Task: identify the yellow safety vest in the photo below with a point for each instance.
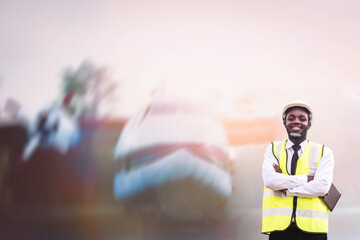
(311, 214)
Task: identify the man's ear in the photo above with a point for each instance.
(284, 119)
(309, 125)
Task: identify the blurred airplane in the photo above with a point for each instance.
(181, 151)
(178, 149)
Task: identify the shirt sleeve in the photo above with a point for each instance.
(278, 181)
(322, 179)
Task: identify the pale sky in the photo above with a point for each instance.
(215, 50)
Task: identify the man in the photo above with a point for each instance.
(296, 174)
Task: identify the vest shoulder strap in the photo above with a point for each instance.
(315, 154)
(276, 149)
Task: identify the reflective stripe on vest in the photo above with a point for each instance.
(311, 213)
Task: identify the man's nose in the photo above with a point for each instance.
(297, 121)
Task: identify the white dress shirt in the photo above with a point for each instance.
(297, 185)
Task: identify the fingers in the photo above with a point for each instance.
(277, 168)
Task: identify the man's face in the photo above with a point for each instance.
(297, 123)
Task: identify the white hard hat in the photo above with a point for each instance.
(297, 103)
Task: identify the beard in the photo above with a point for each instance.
(301, 135)
(295, 135)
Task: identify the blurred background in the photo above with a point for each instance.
(73, 73)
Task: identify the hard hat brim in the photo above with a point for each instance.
(297, 104)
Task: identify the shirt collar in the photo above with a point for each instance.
(289, 144)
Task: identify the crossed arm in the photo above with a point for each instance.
(299, 185)
(278, 170)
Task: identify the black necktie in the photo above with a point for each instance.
(294, 159)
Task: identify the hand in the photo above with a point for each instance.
(310, 178)
(277, 168)
(325, 196)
